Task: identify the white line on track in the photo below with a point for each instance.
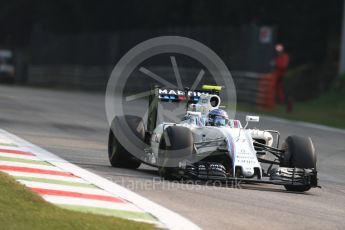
(305, 124)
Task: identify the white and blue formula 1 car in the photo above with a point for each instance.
(205, 144)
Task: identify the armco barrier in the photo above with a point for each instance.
(252, 88)
(69, 76)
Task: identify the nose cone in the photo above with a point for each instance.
(248, 172)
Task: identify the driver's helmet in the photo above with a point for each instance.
(218, 117)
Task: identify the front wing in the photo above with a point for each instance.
(279, 176)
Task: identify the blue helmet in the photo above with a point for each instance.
(218, 117)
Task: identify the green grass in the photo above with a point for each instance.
(22, 209)
(329, 109)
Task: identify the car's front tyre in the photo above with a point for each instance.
(299, 152)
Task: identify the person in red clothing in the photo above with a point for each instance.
(281, 62)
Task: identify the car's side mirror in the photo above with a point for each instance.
(252, 118)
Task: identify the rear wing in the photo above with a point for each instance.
(163, 96)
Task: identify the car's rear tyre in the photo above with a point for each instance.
(177, 148)
(299, 152)
(118, 155)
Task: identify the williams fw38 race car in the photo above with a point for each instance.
(206, 145)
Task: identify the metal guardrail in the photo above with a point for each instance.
(253, 88)
(81, 77)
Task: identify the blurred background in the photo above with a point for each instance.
(74, 44)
